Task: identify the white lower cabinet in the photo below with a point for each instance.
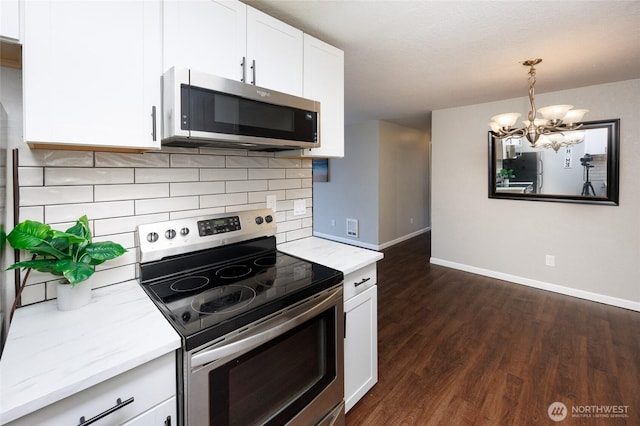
(152, 386)
(361, 341)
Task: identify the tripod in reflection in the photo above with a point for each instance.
(587, 188)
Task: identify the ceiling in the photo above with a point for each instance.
(404, 59)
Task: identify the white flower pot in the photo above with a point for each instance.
(70, 298)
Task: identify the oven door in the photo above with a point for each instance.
(285, 370)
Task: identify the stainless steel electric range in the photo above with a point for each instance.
(262, 331)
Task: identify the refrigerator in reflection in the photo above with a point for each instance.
(526, 168)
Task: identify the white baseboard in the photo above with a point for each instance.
(595, 297)
(369, 246)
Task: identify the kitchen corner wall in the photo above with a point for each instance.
(119, 191)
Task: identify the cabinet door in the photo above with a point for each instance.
(10, 19)
(275, 50)
(360, 345)
(92, 73)
(161, 414)
(206, 35)
(324, 82)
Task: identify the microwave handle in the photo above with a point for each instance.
(254, 340)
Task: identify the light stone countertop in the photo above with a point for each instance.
(343, 257)
(50, 355)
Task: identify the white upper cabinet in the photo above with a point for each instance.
(232, 40)
(10, 20)
(206, 35)
(324, 82)
(274, 53)
(92, 74)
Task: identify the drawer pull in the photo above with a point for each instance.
(364, 280)
(119, 405)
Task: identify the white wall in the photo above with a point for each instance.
(383, 181)
(352, 189)
(596, 247)
(403, 182)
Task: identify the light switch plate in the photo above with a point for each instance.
(299, 207)
(271, 202)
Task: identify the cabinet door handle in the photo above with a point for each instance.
(119, 405)
(153, 122)
(243, 64)
(253, 68)
(167, 422)
(364, 280)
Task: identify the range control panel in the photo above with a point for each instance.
(174, 237)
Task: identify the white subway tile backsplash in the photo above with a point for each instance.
(267, 173)
(285, 163)
(32, 213)
(223, 174)
(156, 205)
(53, 158)
(196, 188)
(31, 176)
(248, 162)
(196, 160)
(33, 294)
(299, 173)
(222, 200)
(261, 196)
(125, 224)
(117, 159)
(299, 234)
(39, 195)
(196, 213)
(299, 193)
(131, 191)
(86, 176)
(284, 184)
(246, 186)
(71, 212)
(163, 174)
(120, 191)
(289, 225)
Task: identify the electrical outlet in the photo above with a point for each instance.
(333, 222)
(299, 207)
(550, 260)
(411, 221)
(271, 202)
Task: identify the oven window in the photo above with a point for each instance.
(275, 381)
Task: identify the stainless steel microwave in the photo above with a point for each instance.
(200, 109)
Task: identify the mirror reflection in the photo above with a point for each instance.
(574, 166)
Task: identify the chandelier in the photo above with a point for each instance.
(546, 132)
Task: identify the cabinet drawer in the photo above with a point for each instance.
(149, 384)
(358, 281)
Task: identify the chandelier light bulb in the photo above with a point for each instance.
(557, 119)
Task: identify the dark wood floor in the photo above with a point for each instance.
(457, 348)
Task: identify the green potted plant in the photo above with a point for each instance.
(71, 255)
(506, 174)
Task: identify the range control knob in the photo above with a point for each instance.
(268, 218)
(259, 220)
(170, 234)
(152, 237)
(184, 232)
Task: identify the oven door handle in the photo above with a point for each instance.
(284, 324)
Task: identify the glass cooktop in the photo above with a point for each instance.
(209, 302)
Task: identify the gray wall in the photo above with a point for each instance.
(383, 181)
(596, 247)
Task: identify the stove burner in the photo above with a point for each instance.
(189, 283)
(265, 261)
(233, 271)
(227, 298)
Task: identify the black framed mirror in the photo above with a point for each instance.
(584, 169)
